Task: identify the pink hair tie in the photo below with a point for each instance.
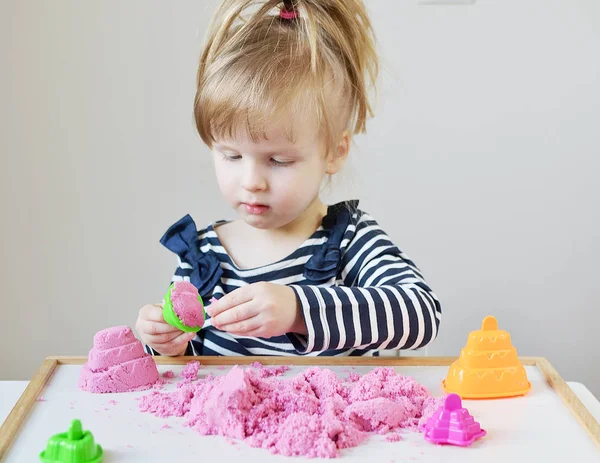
(288, 11)
(285, 14)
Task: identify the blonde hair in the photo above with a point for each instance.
(257, 67)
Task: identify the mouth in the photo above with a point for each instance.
(255, 208)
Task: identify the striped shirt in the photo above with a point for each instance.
(358, 292)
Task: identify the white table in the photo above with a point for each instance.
(10, 391)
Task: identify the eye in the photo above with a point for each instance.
(231, 157)
(281, 163)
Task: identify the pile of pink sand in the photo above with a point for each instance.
(117, 363)
(314, 414)
(184, 297)
(190, 371)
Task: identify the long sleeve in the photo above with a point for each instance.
(189, 350)
(380, 300)
(195, 265)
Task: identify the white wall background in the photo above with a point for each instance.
(482, 164)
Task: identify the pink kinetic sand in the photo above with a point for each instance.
(117, 363)
(184, 297)
(314, 414)
(393, 437)
(190, 371)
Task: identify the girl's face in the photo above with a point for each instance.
(270, 183)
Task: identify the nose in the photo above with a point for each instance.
(253, 178)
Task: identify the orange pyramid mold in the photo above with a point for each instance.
(488, 366)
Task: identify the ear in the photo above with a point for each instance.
(339, 155)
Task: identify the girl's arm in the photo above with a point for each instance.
(382, 302)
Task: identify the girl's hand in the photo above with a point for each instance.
(158, 334)
(258, 310)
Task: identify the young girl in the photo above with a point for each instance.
(282, 87)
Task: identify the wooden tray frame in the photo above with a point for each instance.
(24, 405)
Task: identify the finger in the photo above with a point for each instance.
(244, 327)
(173, 342)
(166, 338)
(153, 312)
(153, 328)
(232, 299)
(162, 338)
(235, 314)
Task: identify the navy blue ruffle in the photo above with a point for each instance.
(325, 263)
(206, 272)
(182, 239)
